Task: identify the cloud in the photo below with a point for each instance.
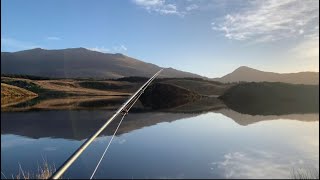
(121, 141)
(307, 49)
(100, 49)
(149, 2)
(271, 20)
(159, 6)
(120, 48)
(14, 44)
(123, 47)
(256, 164)
(192, 7)
(53, 38)
(113, 49)
(13, 141)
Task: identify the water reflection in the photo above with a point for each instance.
(200, 139)
(79, 125)
(70, 102)
(202, 105)
(208, 145)
(76, 125)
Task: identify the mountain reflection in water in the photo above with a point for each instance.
(216, 139)
(79, 125)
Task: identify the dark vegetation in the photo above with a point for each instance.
(269, 98)
(133, 79)
(199, 86)
(34, 88)
(162, 96)
(144, 79)
(193, 79)
(28, 77)
(102, 85)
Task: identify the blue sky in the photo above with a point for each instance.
(207, 37)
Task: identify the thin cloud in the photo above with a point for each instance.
(266, 21)
(158, 6)
(103, 49)
(123, 47)
(54, 38)
(192, 7)
(120, 48)
(256, 164)
(100, 49)
(121, 141)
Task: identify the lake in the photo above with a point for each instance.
(215, 144)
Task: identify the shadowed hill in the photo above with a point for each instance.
(80, 63)
(247, 74)
(269, 98)
(162, 96)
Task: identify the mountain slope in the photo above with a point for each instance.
(247, 74)
(80, 63)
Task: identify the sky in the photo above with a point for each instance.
(206, 37)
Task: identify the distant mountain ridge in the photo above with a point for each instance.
(80, 63)
(84, 63)
(248, 74)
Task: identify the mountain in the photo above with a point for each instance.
(248, 74)
(80, 63)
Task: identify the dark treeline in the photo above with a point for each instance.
(272, 98)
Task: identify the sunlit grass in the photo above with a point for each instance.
(44, 172)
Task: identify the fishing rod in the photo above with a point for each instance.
(123, 108)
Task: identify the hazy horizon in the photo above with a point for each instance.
(209, 38)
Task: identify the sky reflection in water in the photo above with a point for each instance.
(209, 145)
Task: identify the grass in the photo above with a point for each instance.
(310, 173)
(44, 172)
(25, 85)
(35, 88)
(9, 90)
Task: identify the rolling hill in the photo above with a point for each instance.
(247, 74)
(8, 90)
(80, 63)
(11, 95)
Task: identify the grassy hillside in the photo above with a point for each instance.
(12, 95)
(169, 92)
(9, 90)
(272, 98)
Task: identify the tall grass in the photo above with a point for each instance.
(309, 173)
(44, 172)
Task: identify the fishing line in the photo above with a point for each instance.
(104, 153)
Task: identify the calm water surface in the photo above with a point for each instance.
(162, 145)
